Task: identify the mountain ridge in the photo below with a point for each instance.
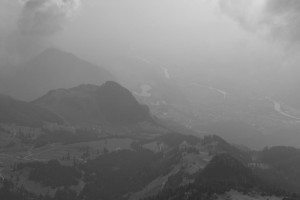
(94, 105)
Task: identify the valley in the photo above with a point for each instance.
(262, 120)
(156, 136)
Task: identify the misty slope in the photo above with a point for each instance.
(152, 84)
(25, 114)
(53, 69)
(95, 105)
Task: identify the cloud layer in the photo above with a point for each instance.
(277, 18)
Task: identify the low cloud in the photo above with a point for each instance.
(277, 18)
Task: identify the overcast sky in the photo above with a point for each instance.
(184, 32)
(248, 34)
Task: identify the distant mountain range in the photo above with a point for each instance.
(53, 69)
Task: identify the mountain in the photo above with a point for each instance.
(95, 105)
(53, 69)
(25, 114)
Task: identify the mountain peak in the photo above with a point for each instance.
(112, 84)
(226, 168)
(54, 69)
